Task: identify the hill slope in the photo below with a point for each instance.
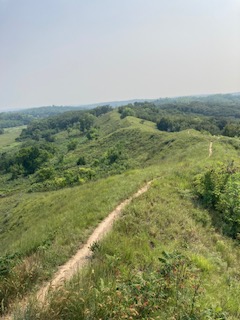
(166, 257)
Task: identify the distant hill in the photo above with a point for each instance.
(217, 105)
(72, 107)
(14, 118)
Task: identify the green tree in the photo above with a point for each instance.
(86, 122)
(45, 174)
(113, 154)
(31, 158)
(127, 111)
(231, 130)
(165, 124)
(72, 145)
(92, 134)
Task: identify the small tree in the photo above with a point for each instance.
(165, 124)
(127, 112)
(31, 158)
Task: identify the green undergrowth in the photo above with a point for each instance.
(162, 260)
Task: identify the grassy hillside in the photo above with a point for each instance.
(7, 140)
(166, 257)
(163, 260)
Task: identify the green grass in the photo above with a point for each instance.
(7, 140)
(27, 219)
(112, 131)
(41, 231)
(196, 278)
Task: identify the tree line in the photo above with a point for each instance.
(46, 128)
(218, 114)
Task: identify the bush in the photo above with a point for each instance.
(81, 161)
(113, 154)
(86, 173)
(92, 134)
(45, 174)
(219, 189)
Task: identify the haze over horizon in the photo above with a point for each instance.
(72, 52)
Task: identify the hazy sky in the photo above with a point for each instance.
(71, 52)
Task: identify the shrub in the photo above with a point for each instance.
(219, 189)
(81, 161)
(86, 173)
(45, 174)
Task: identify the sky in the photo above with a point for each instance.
(73, 52)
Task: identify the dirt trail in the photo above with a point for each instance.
(66, 271)
(210, 149)
(82, 256)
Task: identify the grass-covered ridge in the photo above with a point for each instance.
(163, 260)
(41, 231)
(167, 245)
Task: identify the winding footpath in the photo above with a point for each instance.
(81, 258)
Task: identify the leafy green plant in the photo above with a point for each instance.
(219, 189)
